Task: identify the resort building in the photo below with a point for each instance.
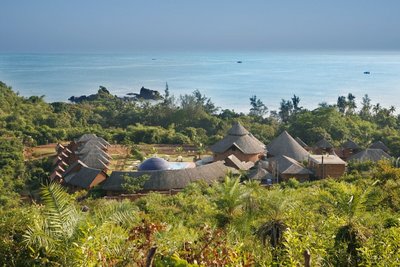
(369, 154)
(79, 175)
(285, 145)
(283, 168)
(324, 166)
(349, 148)
(82, 163)
(167, 179)
(380, 145)
(323, 147)
(238, 142)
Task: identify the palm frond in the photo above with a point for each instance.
(60, 212)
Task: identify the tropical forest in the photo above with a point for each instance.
(351, 220)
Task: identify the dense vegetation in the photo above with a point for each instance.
(353, 221)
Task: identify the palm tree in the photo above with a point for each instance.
(276, 209)
(230, 198)
(53, 230)
(348, 201)
(62, 235)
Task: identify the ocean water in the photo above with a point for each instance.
(313, 76)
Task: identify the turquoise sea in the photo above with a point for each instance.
(314, 76)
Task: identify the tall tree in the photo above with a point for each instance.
(342, 104)
(365, 111)
(258, 108)
(351, 103)
(296, 101)
(285, 110)
(168, 100)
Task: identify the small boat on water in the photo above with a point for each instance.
(239, 61)
(367, 72)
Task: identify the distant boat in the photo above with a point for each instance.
(367, 72)
(239, 61)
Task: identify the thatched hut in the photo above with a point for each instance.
(284, 168)
(349, 148)
(380, 145)
(323, 146)
(326, 166)
(369, 154)
(85, 178)
(285, 145)
(164, 180)
(238, 142)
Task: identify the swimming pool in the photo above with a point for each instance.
(181, 165)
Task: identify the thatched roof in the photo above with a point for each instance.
(370, 154)
(92, 137)
(92, 144)
(95, 160)
(236, 163)
(259, 174)
(86, 150)
(169, 179)
(86, 137)
(323, 144)
(350, 144)
(238, 129)
(72, 167)
(287, 165)
(240, 138)
(284, 144)
(83, 178)
(328, 159)
(380, 145)
(301, 142)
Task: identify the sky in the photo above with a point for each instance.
(136, 25)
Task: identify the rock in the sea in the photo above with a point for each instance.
(148, 94)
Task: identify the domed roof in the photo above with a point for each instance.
(154, 164)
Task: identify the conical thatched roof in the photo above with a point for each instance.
(301, 142)
(323, 144)
(284, 144)
(170, 179)
(238, 129)
(370, 154)
(239, 137)
(380, 145)
(350, 144)
(287, 165)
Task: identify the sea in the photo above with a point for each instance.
(228, 78)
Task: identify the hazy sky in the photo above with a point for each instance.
(133, 25)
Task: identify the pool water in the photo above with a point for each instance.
(181, 165)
